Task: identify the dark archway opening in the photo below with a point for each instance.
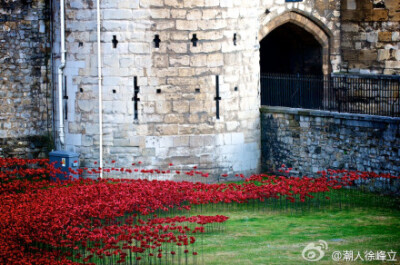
(290, 49)
(291, 68)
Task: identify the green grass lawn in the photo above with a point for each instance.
(274, 235)
(277, 231)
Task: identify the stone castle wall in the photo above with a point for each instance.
(176, 117)
(25, 102)
(371, 36)
(177, 121)
(311, 141)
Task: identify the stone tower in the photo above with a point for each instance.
(180, 79)
(175, 50)
(195, 68)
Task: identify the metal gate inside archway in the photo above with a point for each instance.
(295, 72)
(291, 68)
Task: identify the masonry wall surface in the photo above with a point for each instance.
(177, 124)
(310, 141)
(25, 101)
(371, 36)
(177, 121)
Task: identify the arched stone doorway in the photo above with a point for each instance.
(292, 44)
(290, 49)
(310, 32)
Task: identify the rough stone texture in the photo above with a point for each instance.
(177, 112)
(25, 102)
(370, 37)
(310, 141)
(178, 124)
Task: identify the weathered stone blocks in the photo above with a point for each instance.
(25, 92)
(328, 141)
(177, 80)
(367, 30)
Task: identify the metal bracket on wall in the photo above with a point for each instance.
(65, 97)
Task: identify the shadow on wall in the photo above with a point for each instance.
(12, 5)
(272, 149)
(37, 146)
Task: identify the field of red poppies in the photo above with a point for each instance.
(135, 220)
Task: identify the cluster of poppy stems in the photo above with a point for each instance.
(128, 221)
